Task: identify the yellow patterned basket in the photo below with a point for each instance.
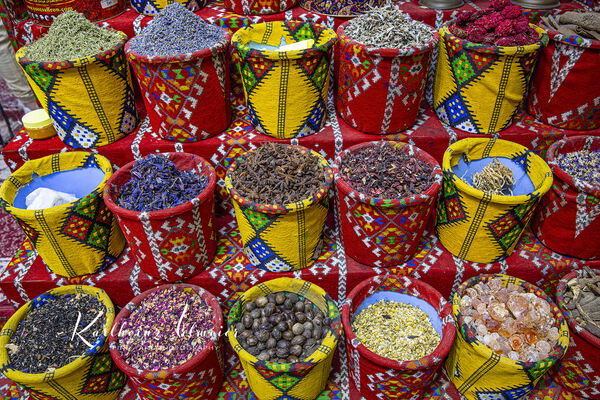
(477, 226)
(85, 228)
(286, 91)
(305, 379)
(284, 237)
(478, 87)
(478, 372)
(92, 376)
(90, 100)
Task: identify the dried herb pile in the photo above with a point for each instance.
(164, 331)
(396, 331)
(56, 333)
(281, 327)
(582, 299)
(388, 27)
(278, 174)
(501, 24)
(72, 36)
(157, 184)
(386, 172)
(176, 30)
(581, 165)
(495, 178)
(579, 22)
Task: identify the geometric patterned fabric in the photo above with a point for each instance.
(481, 374)
(478, 226)
(187, 96)
(563, 91)
(284, 237)
(90, 100)
(380, 90)
(385, 232)
(567, 218)
(44, 11)
(92, 376)
(251, 7)
(380, 378)
(340, 7)
(290, 381)
(84, 227)
(153, 7)
(478, 87)
(286, 92)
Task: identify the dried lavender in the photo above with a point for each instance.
(581, 165)
(385, 172)
(56, 333)
(388, 27)
(165, 330)
(278, 174)
(72, 36)
(176, 30)
(157, 184)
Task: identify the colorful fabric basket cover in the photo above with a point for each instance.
(90, 100)
(85, 227)
(385, 232)
(186, 96)
(479, 373)
(253, 7)
(380, 378)
(563, 91)
(380, 90)
(286, 91)
(478, 87)
(482, 227)
(567, 219)
(153, 7)
(92, 376)
(199, 378)
(302, 380)
(43, 12)
(579, 371)
(280, 238)
(175, 243)
(342, 8)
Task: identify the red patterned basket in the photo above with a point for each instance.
(186, 95)
(380, 378)
(579, 371)
(175, 243)
(253, 7)
(567, 217)
(385, 232)
(564, 93)
(43, 12)
(380, 90)
(199, 378)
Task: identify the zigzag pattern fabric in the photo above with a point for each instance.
(340, 7)
(90, 100)
(479, 87)
(478, 226)
(85, 227)
(255, 7)
(153, 7)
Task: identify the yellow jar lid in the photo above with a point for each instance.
(36, 119)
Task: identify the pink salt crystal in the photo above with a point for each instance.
(495, 284)
(498, 311)
(472, 292)
(502, 295)
(517, 305)
(481, 329)
(492, 325)
(481, 308)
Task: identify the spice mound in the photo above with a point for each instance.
(72, 36)
(386, 172)
(157, 184)
(582, 299)
(580, 22)
(582, 165)
(395, 330)
(281, 327)
(388, 27)
(495, 178)
(176, 30)
(165, 330)
(278, 174)
(510, 322)
(56, 333)
(501, 24)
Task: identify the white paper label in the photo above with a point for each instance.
(108, 3)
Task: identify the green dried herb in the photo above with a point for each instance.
(72, 36)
